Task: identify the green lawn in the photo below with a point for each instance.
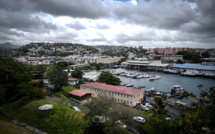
(7, 128)
(29, 113)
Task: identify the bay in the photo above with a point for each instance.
(167, 80)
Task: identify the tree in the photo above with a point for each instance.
(77, 73)
(12, 74)
(201, 117)
(205, 55)
(159, 106)
(108, 78)
(57, 77)
(63, 119)
(62, 64)
(112, 112)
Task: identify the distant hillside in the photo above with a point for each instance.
(8, 45)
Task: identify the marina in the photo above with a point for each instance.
(163, 84)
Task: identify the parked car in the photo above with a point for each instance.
(139, 119)
(144, 107)
(120, 124)
(76, 108)
(99, 119)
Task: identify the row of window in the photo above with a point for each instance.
(111, 93)
(115, 99)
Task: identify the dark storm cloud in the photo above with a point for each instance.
(24, 22)
(160, 14)
(205, 20)
(74, 8)
(76, 25)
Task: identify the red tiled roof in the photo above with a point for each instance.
(79, 92)
(111, 88)
(72, 79)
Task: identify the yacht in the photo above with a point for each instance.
(154, 77)
(191, 73)
(170, 71)
(177, 89)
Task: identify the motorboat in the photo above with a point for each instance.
(191, 73)
(170, 71)
(177, 89)
(150, 91)
(143, 76)
(154, 77)
(122, 83)
(129, 85)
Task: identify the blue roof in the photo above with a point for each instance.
(199, 67)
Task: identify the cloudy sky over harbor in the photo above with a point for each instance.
(147, 23)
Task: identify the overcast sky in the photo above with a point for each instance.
(147, 23)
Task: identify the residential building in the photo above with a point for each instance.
(80, 96)
(73, 81)
(128, 96)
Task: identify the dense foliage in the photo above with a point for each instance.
(57, 77)
(112, 112)
(77, 73)
(64, 120)
(191, 56)
(108, 78)
(12, 74)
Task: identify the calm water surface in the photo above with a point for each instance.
(167, 80)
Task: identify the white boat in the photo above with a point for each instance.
(170, 71)
(122, 83)
(177, 89)
(154, 77)
(191, 73)
(129, 85)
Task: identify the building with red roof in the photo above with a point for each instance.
(80, 96)
(73, 81)
(129, 96)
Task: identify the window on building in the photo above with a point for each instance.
(121, 95)
(118, 100)
(127, 96)
(121, 100)
(127, 102)
(130, 103)
(124, 95)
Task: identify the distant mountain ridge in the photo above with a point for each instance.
(8, 45)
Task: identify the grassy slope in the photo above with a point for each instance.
(29, 113)
(7, 128)
(68, 89)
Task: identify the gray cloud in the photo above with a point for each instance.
(76, 25)
(101, 26)
(75, 8)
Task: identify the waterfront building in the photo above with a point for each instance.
(108, 60)
(148, 65)
(200, 68)
(128, 96)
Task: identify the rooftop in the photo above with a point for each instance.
(79, 92)
(198, 67)
(72, 79)
(111, 88)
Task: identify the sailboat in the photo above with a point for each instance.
(130, 84)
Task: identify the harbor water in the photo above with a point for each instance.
(167, 80)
